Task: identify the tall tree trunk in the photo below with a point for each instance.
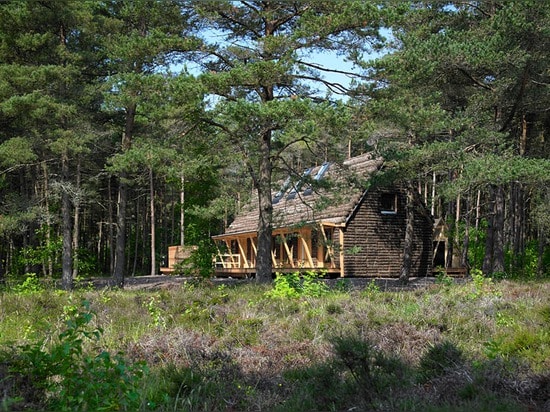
(182, 211)
(153, 228)
(406, 263)
(110, 229)
(120, 244)
(498, 238)
(120, 240)
(137, 224)
(48, 265)
(76, 220)
(487, 266)
(466, 240)
(517, 211)
(66, 254)
(264, 265)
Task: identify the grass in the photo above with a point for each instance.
(209, 347)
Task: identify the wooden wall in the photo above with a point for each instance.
(373, 241)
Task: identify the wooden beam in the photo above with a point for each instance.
(330, 249)
(231, 255)
(288, 251)
(306, 250)
(242, 252)
(273, 260)
(254, 253)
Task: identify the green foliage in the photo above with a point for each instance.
(199, 263)
(439, 359)
(30, 285)
(227, 345)
(156, 312)
(442, 278)
(46, 251)
(371, 289)
(374, 372)
(482, 286)
(295, 284)
(67, 378)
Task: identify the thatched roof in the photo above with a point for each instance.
(331, 198)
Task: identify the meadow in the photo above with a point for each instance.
(296, 345)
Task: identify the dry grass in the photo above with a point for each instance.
(219, 347)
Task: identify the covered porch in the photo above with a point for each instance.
(307, 248)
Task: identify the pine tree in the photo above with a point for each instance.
(263, 77)
(466, 84)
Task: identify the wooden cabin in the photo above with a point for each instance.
(339, 228)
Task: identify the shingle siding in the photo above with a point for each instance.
(373, 241)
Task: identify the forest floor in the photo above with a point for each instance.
(159, 282)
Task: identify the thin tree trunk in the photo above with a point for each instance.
(120, 245)
(120, 240)
(408, 241)
(478, 208)
(76, 220)
(457, 259)
(489, 238)
(137, 224)
(433, 193)
(110, 229)
(466, 240)
(498, 239)
(153, 228)
(48, 265)
(182, 211)
(263, 185)
(66, 254)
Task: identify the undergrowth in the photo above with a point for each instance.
(297, 345)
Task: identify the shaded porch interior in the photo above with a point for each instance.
(315, 247)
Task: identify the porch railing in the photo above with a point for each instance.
(228, 261)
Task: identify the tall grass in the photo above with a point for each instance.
(208, 346)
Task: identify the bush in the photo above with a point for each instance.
(30, 285)
(374, 372)
(293, 285)
(65, 378)
(438, 359)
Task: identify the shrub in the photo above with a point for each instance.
(292, 285)
(30, 285)
(66, 378)
(374, 372)
(438, 359)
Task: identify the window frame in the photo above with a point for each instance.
(385, 200)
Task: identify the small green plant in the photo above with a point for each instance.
(342, 286)
(156, 313)
(292, 285)
(441, 277)
(482, 285)
(30, 285)
(371, 289)
(65, 377)
(312, 284)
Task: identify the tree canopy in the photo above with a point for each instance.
(131, 126)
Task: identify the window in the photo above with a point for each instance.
(388, 203)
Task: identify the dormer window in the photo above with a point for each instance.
(388, 203)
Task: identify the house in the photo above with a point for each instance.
(343, 228)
